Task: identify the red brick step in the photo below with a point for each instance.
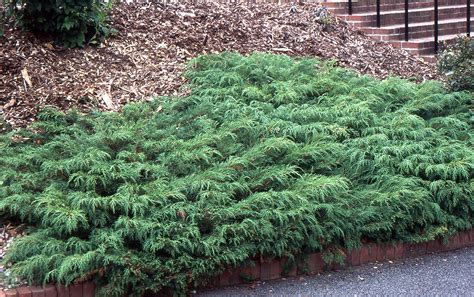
(417, 30)
(394, 17)
(451, 15)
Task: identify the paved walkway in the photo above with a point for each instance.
(444, 274)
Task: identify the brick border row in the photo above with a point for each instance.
(86, 289)
(314, 263)
(279, 267)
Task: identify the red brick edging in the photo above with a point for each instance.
(276, 268)
(86, 289)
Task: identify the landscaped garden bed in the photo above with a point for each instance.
(146, 58)
(267, 156)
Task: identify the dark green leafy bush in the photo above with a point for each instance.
(267, 156)
(457, 62)
(4, 125)
(72, 22)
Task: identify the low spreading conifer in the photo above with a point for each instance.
(268, 156)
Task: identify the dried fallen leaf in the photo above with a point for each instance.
(10, 103)
(107, 100)
(49, 46)
(181, 213)
(26, 77)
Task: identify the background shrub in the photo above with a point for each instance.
(71, 22)
(4, 125)
(457, 62)
(268, 156)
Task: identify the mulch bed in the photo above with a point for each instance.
(147, 56)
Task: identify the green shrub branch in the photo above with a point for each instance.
(268, 156)
(72, 23)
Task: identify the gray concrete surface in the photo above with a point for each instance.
(443, 274)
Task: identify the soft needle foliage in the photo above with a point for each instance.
(267, 156)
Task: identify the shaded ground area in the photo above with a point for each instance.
(444, 274)
(146, 58)
(9, 231)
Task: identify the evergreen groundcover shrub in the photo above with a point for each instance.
(268, 156)
(71, 22)
(456, 61)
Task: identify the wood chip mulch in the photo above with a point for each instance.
(147, 56)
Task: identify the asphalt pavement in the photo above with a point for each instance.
(442, 274)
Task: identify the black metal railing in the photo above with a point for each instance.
(378, 13)
(468, 17)
(407, 32)
(407, 20)
(436, 27)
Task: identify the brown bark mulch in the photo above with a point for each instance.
(147, 56)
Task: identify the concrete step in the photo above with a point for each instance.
(424, 46)
(452, 22)
(361, 3)
(394, 17)
(418, 30)
(359, 7)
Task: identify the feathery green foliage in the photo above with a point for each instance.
(267, 156)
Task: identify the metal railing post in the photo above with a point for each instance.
(406, 21)
(468, 18)
(436, 26)
(350, 7)
(378, 13)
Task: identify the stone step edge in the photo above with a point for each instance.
(278, 267)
